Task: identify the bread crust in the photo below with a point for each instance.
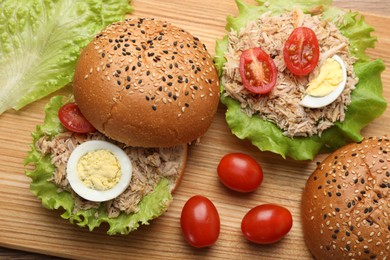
(345, 204)
(147, 83)
(183, 165)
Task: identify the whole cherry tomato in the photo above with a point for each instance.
(266, 224)
(72, 119)
(258, 71)
(200, 222)
(301, 51)
(240, 172)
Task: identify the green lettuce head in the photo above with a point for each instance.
(151, 206)
(367, 101)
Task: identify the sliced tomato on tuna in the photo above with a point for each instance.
(301, 51)
(258, 71)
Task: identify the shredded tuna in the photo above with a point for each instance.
(149, 166)
(281, 106)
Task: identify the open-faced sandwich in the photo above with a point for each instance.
(295, 77)
(143, 89)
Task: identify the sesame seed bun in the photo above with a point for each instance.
(346, 203)
(145, 82)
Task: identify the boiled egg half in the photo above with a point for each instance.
(328, 85)
(98, 170)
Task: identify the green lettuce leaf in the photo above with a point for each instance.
(40, 42)
(150, 207)
(251, 12)
(367, 101)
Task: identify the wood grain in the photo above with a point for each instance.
(25, 225)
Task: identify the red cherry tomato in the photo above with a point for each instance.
(200, 222)
(72, 119)
(240, 172)
(266, 224)
(258, 71)
(301, 51)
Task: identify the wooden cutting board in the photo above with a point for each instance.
(25, 225)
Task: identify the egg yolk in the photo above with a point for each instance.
(330, 76)
(99, 170)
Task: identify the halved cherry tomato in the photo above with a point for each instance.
(266, 224)
(71, 118)
(200, 222)
(258, 71)
(301, 51)
(240, 172)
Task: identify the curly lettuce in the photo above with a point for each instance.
(150, 207)
(41, 40)
(367, 101)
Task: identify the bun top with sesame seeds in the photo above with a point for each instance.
(145, 82)
(346, 203)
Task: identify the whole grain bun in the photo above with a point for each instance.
(346, 203)
(145, 82)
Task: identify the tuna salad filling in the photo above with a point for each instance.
(150, 165)
(282, 105)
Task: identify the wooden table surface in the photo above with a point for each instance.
(205, 19)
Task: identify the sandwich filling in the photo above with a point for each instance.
(282, 105)
(150, 165)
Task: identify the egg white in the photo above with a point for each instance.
(95, 195)
(318, 102)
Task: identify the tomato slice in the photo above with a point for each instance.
(301, 51)
(258, 71)
(72, 119)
